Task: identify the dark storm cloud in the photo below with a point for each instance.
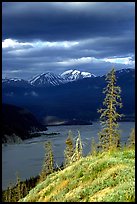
(59, 36)
(65, 21)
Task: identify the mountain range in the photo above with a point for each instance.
(70, 96)
(48, 79)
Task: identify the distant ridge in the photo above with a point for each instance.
(48, 79)
(51, 79)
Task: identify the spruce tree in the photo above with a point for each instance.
(93, 147)
(78, 149)
(9, 193)
(47, 167)
(109, 137)
(18, 188)
(131, 139)
(69, 151)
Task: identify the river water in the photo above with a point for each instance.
(26, 159)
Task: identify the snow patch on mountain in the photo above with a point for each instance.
(87, 74)
(73, 75)
(11, 79)
(124, 70)
(15, 82)
(47, 79)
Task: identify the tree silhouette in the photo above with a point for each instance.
(47, 167)
(109, 136)
(69, 151)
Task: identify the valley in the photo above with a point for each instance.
(76, 100)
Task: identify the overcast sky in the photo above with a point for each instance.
(57, 36)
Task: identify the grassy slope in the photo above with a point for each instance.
(105, 177)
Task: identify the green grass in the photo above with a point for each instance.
(107, 177)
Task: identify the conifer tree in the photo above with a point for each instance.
(131, 139)
(93, 147)
(109, 137)
(48, 162)
(18, 188)
(69, 151)
(9, 192)
(78, 149)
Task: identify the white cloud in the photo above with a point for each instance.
(7, 43)
(120, 60)
(13, 43)
(63, 44)
(82, 60)
(86, 60)
(12, 71)
(16, 48)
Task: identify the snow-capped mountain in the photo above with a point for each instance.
(15, 82)
(79, 99)
(121, 72)
(72, 75)
(47, 79)
(50, 79)
(125, 73)
(124, 70)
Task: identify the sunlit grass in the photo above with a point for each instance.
(107, 177)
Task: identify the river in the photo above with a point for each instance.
(26, 158)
